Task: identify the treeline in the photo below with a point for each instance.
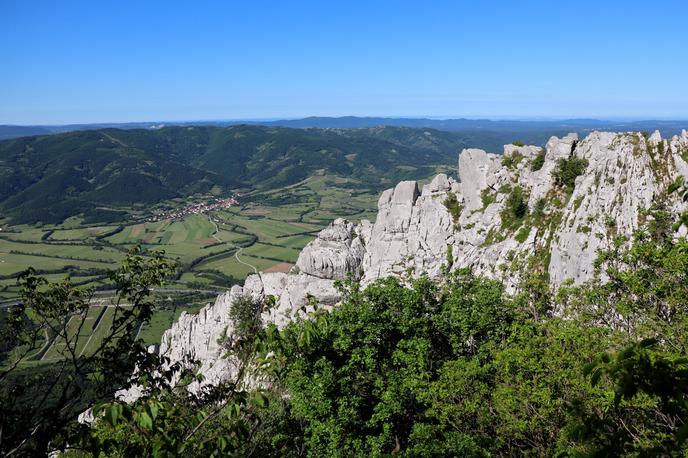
(73, 271)
(71, 258)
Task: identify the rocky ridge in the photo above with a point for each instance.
(466, 222)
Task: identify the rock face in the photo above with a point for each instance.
(415, 233)
(336, 253)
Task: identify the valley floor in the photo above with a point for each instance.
(213, 250)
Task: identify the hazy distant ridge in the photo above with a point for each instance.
(535, 131)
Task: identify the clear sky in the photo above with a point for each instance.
(115, 61)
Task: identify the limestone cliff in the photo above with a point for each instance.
(502, 210)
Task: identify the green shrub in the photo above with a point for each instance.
(516, 203)
(539, 210)
(454, 207)
(538, 161)
(245, 315)
(512, 160)
(487, 197)
(568, 170)
(523, 234)
(518, 143)
(515, 209)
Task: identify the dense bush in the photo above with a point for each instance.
(515, 208)
(462, 369)
(454, 207)
(568, 170)
(538, 160)
(245, 315)
(450, 368)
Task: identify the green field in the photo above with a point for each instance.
(270, 227)
(212, 250)
(91, 330)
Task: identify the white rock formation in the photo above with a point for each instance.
(414, 230)
(336, 253)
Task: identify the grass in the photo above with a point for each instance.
(95, 326)
(78, 252)
(230, 266)
(488, 197)
(11, 263)
(272, 227)
(92, 328)
(80, 233)
(281, 253)
(270, 231)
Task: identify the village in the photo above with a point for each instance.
(193, 208)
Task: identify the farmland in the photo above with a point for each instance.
(212, 250)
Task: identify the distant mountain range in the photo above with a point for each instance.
(532, 131)
(101, 173)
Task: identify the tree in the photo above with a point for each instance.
(358, 376)
(643, 296)
(568, 170)
(454, 367)
(40, 405)
(178, 415)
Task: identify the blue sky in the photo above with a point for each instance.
(116, 61)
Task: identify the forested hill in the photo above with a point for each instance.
(99, 173)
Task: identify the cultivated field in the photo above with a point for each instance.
(213, 251)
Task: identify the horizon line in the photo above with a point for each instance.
(411, 117)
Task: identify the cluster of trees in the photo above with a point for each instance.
(451, 368)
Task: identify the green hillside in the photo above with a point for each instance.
(103, 174)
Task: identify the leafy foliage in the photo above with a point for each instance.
(461, 369)
(487, 197)
(515, 208)
(451, 368)
(539, 160)
(512, 160)
(568, 170)
(455, 208)
(40, 407)
(245, 315)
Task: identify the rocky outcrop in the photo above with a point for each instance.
(473, 222)
(335, 254)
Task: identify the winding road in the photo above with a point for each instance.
(239, 248)
(236, 255)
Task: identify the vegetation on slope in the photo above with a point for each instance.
(458, 368)
(568, 170)
(98, 173)
(538, 160)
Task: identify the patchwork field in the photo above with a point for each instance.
(212, 250)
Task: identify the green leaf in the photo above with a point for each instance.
(260, 399)
(144, 420)
(113, 413)
(154, 407)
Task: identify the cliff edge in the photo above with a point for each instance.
(554, 207)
